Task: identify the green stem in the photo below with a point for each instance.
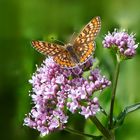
(102, 129)
(82, 134)
(115, 80)
(103, 111)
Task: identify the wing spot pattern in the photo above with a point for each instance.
(86, 54)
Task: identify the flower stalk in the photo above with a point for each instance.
(81, 133)
(103, 111)
(101, 128)
(115, 81)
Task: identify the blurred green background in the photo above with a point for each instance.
(24, 20)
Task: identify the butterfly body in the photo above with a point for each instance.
(77, 53)
(72, 53)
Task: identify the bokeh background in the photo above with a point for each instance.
(24, 20)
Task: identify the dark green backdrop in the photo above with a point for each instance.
(24, 20)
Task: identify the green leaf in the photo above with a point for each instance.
(120, 119)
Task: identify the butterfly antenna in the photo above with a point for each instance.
(58, 41)
(72, 37)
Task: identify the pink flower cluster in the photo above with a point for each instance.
(57, 91)
(125, 43)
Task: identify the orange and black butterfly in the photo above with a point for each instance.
(71, 55)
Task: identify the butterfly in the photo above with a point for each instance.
(76, 53)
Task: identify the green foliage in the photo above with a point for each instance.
(23, 21)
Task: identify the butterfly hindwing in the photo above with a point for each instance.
(64, 59)
(88, 51)
(47, 48)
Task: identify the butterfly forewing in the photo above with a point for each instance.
(47, 48)
(84, 44)
(89, 32)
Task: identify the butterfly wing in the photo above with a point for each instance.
(86, 52)
(46, 48)
(64, 59)
(83, 44)
(60, 55)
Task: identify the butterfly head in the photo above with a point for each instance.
(69, 46)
